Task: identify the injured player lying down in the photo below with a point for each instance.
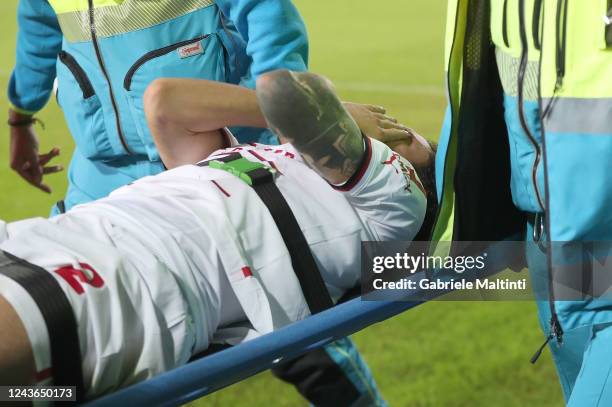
(163, 267)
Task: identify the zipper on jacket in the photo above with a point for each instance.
(535, 27)
(78, 73)
(538, 352)
(555, 327)
(521, 110)
(560, 46)
(608, 24)
(505, 25)
(556, 331)
(561, 41)
(127, 81)
(94, 40)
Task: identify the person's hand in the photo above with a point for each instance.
(24, 156)
(374, 122)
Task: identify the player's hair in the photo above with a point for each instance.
(427, 175)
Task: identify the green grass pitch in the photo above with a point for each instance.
(387, 52)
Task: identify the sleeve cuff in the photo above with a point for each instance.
(363, 167)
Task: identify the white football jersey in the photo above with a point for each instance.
(162, 267)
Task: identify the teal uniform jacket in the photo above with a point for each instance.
(106, 52)
(526, 149)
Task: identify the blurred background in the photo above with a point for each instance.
(387, 52)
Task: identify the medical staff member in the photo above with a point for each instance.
(104, 53)
(526, 150)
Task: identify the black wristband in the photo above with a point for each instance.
(25, 122)
(21, 123)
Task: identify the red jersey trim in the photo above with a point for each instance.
(227, 194)
(256, 155)
(363, 167)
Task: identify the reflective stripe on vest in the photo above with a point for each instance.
(115, 17)
(67, 6)
(586, 56)
(572, 35)
(579, 116)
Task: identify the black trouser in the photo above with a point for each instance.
(318, 378)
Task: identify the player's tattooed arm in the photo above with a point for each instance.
(303, 109)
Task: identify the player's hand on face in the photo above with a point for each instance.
(374, 122)
(26, 160)
(415, 149)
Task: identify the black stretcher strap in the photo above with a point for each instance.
(58, 315)
(308, 274)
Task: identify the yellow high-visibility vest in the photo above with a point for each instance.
(569, 43)
(118, 16)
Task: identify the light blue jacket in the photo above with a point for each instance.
(103, 71)
(528, 136)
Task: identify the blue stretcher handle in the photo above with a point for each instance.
(211, 373)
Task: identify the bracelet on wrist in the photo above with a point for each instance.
(25, 122)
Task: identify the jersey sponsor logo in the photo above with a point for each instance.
(408, 172)
(190, 50)
(76, 277)
(391, 160)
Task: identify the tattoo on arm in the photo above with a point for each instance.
(304, 109)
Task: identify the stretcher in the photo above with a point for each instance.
(229, 366)
(211, 373)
